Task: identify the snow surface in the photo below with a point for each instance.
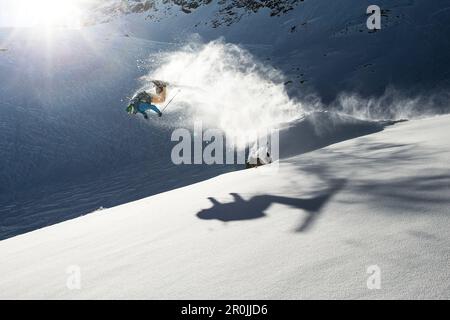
(67, 145)
(309, 230)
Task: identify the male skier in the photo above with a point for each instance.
(144, 101)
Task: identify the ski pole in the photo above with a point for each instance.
(170, 100)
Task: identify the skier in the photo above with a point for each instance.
(143, 101)
(258, 157)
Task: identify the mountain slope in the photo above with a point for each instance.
(308, 231)
(68, 147)
(325, 48)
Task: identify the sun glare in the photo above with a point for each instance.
(48, 13)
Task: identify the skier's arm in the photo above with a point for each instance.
(161, 97)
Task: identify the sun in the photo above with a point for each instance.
(48, 13)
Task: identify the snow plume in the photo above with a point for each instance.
(394, 105)
(226, 88)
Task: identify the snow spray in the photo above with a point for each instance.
(226, 88)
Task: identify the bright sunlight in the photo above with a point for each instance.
(47, 13)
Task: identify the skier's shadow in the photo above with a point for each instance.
(254, 208)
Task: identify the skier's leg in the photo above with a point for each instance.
(155, 109)
(144, 107)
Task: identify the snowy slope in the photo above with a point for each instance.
(68, 148)
(67, 145)
(310, 230)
